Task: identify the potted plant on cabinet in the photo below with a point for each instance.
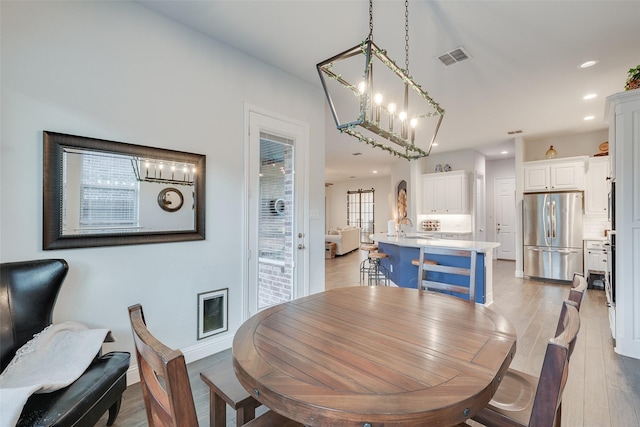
(633, 80)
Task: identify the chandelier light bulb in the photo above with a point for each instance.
(391, 108)
(362, 87)
(403, 124)
(377, 100)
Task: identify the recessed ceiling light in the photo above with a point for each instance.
(589, 96)
(504, 152)
(590, 117)
(375, 171)
(435, 144)
(589, 64)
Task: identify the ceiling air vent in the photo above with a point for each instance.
(454, 56)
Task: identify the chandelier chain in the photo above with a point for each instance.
(370, 19)
(406, 36)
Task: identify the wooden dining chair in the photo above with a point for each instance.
(431, 283)
(526, 400)
(576, 294)
(165, 382)
(578, 288)
(163, 376)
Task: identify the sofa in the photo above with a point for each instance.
(28, 291)
(347, 238)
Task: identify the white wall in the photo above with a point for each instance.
(118, 71)
(579, 144)
(336, 215)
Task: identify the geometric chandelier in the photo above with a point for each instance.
(385, 107)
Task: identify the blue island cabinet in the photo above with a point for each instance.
(405, 274)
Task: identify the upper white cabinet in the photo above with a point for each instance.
(597, 186)
(554, 175)
(445, 192)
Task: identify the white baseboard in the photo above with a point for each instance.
(191, 354)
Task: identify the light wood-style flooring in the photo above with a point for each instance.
(603, 388)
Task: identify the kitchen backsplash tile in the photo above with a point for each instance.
(594, 227)
(449, 223)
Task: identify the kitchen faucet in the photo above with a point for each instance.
(403, 233)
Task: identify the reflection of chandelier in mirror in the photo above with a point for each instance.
(164, 171)
(391, 109)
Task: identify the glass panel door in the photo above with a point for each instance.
(277, 258)
(360, 212)
(275, 232)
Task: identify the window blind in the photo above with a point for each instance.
(109, 192)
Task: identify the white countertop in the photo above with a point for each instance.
(416, 240)
(443, 232)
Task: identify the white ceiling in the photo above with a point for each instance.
(523, 73)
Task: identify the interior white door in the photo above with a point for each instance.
(277, 258)
(480, 210)
(505, 214)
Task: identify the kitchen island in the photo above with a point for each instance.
(401, 250)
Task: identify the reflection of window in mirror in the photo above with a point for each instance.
(100, 193)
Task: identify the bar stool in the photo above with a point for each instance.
(378, 273)
(366, 264)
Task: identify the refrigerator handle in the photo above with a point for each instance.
(545, 220)
(553, 219)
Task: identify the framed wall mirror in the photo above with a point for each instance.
(106, 193)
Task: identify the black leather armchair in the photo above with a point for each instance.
(28, 291)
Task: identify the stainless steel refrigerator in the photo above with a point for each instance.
(552, 225)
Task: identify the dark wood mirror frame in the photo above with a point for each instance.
(52, 236)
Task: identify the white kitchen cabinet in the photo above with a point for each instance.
(445, 192)
(595, 257)
(597, 186)
(622, 114)
(554, 175)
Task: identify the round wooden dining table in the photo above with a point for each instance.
(374, 356)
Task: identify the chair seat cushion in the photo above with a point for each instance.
(513, 399)
(84, 401)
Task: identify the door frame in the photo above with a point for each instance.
(301, 175)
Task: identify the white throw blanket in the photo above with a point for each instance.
(52, 360)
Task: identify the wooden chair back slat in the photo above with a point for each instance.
(554, 374)
(163, 377)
